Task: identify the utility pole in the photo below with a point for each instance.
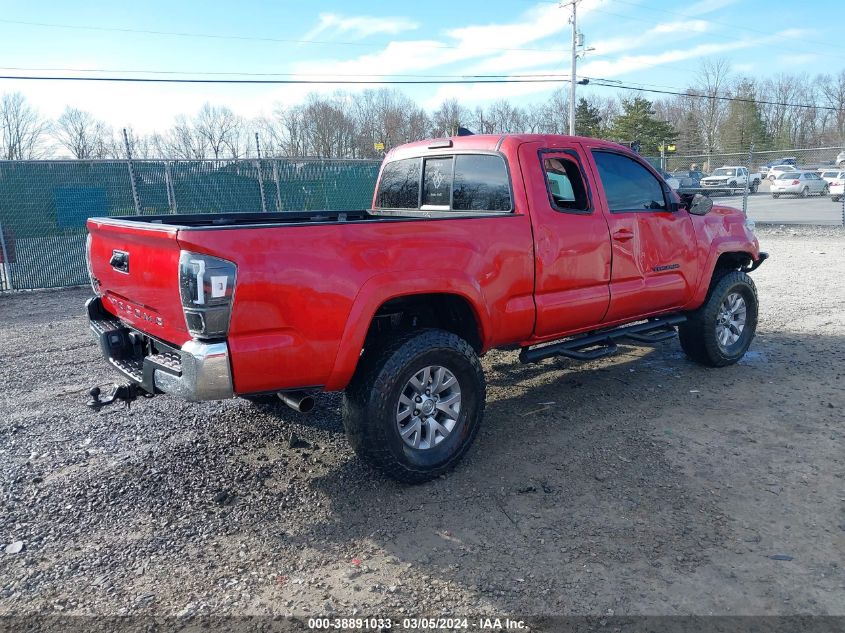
(572, 78)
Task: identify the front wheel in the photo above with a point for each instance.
(720, 331)
(415, 404)
(825, 191)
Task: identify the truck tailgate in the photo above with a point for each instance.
(137, 267)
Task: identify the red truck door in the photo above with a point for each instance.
(572, 246)
(654, 249)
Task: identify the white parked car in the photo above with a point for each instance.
(837, 189)
(840, 160)
(799, 183)
(830, 175)
(777, 170)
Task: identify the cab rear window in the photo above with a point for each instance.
(459, 183)
(399, 187)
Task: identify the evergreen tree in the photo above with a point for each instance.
(587, 119)
(744, 122)
(637, 123)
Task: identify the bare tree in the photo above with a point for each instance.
(219, 129)
(182, 141)
(449, 117)
(83, 135)
(22, 129)
(388, 117)
(712, 82)
(832, 91)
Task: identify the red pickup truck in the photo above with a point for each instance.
(562, 245)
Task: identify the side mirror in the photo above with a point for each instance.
(697, 204)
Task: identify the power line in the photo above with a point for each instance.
(251, 38)
(691, 93)
(182, 80)
(254, 74)
(485, 79)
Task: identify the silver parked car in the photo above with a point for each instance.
(799, 183)
(777, 170)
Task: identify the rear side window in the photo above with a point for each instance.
(460, 183)
(565, 185)
(628, 185)
(399, 187)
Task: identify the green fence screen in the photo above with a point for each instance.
(44, 204)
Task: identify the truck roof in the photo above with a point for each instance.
(490, 142)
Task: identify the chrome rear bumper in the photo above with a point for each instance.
(196, 371)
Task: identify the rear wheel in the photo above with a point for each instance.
(754, 186)
(805, 192)
(720, 331)
(775, 195)
(825, 191)
(415, 405)
(835, 198)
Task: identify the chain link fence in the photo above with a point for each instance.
(44, 204)
(817, 201)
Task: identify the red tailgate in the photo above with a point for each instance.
(137, 266)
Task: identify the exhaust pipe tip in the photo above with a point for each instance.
(297, 400)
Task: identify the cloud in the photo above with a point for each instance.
(360, 26)
(682, 26)
(400, 57)
(708, 6)
(631, 63)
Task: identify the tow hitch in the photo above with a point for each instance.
(125, 393)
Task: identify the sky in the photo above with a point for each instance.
(651, 43)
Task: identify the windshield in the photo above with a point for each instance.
(725, 172)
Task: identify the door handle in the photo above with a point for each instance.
(623, 235)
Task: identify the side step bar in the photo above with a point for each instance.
(601, 344)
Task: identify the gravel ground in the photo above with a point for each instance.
(639, 484)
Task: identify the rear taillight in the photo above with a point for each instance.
(207, 288)
(95, 284)
(796, 182)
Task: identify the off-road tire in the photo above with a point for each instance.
(371, 399)
(698, 333)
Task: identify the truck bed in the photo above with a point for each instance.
(286, 218)
(300, 274)
(244, 219)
